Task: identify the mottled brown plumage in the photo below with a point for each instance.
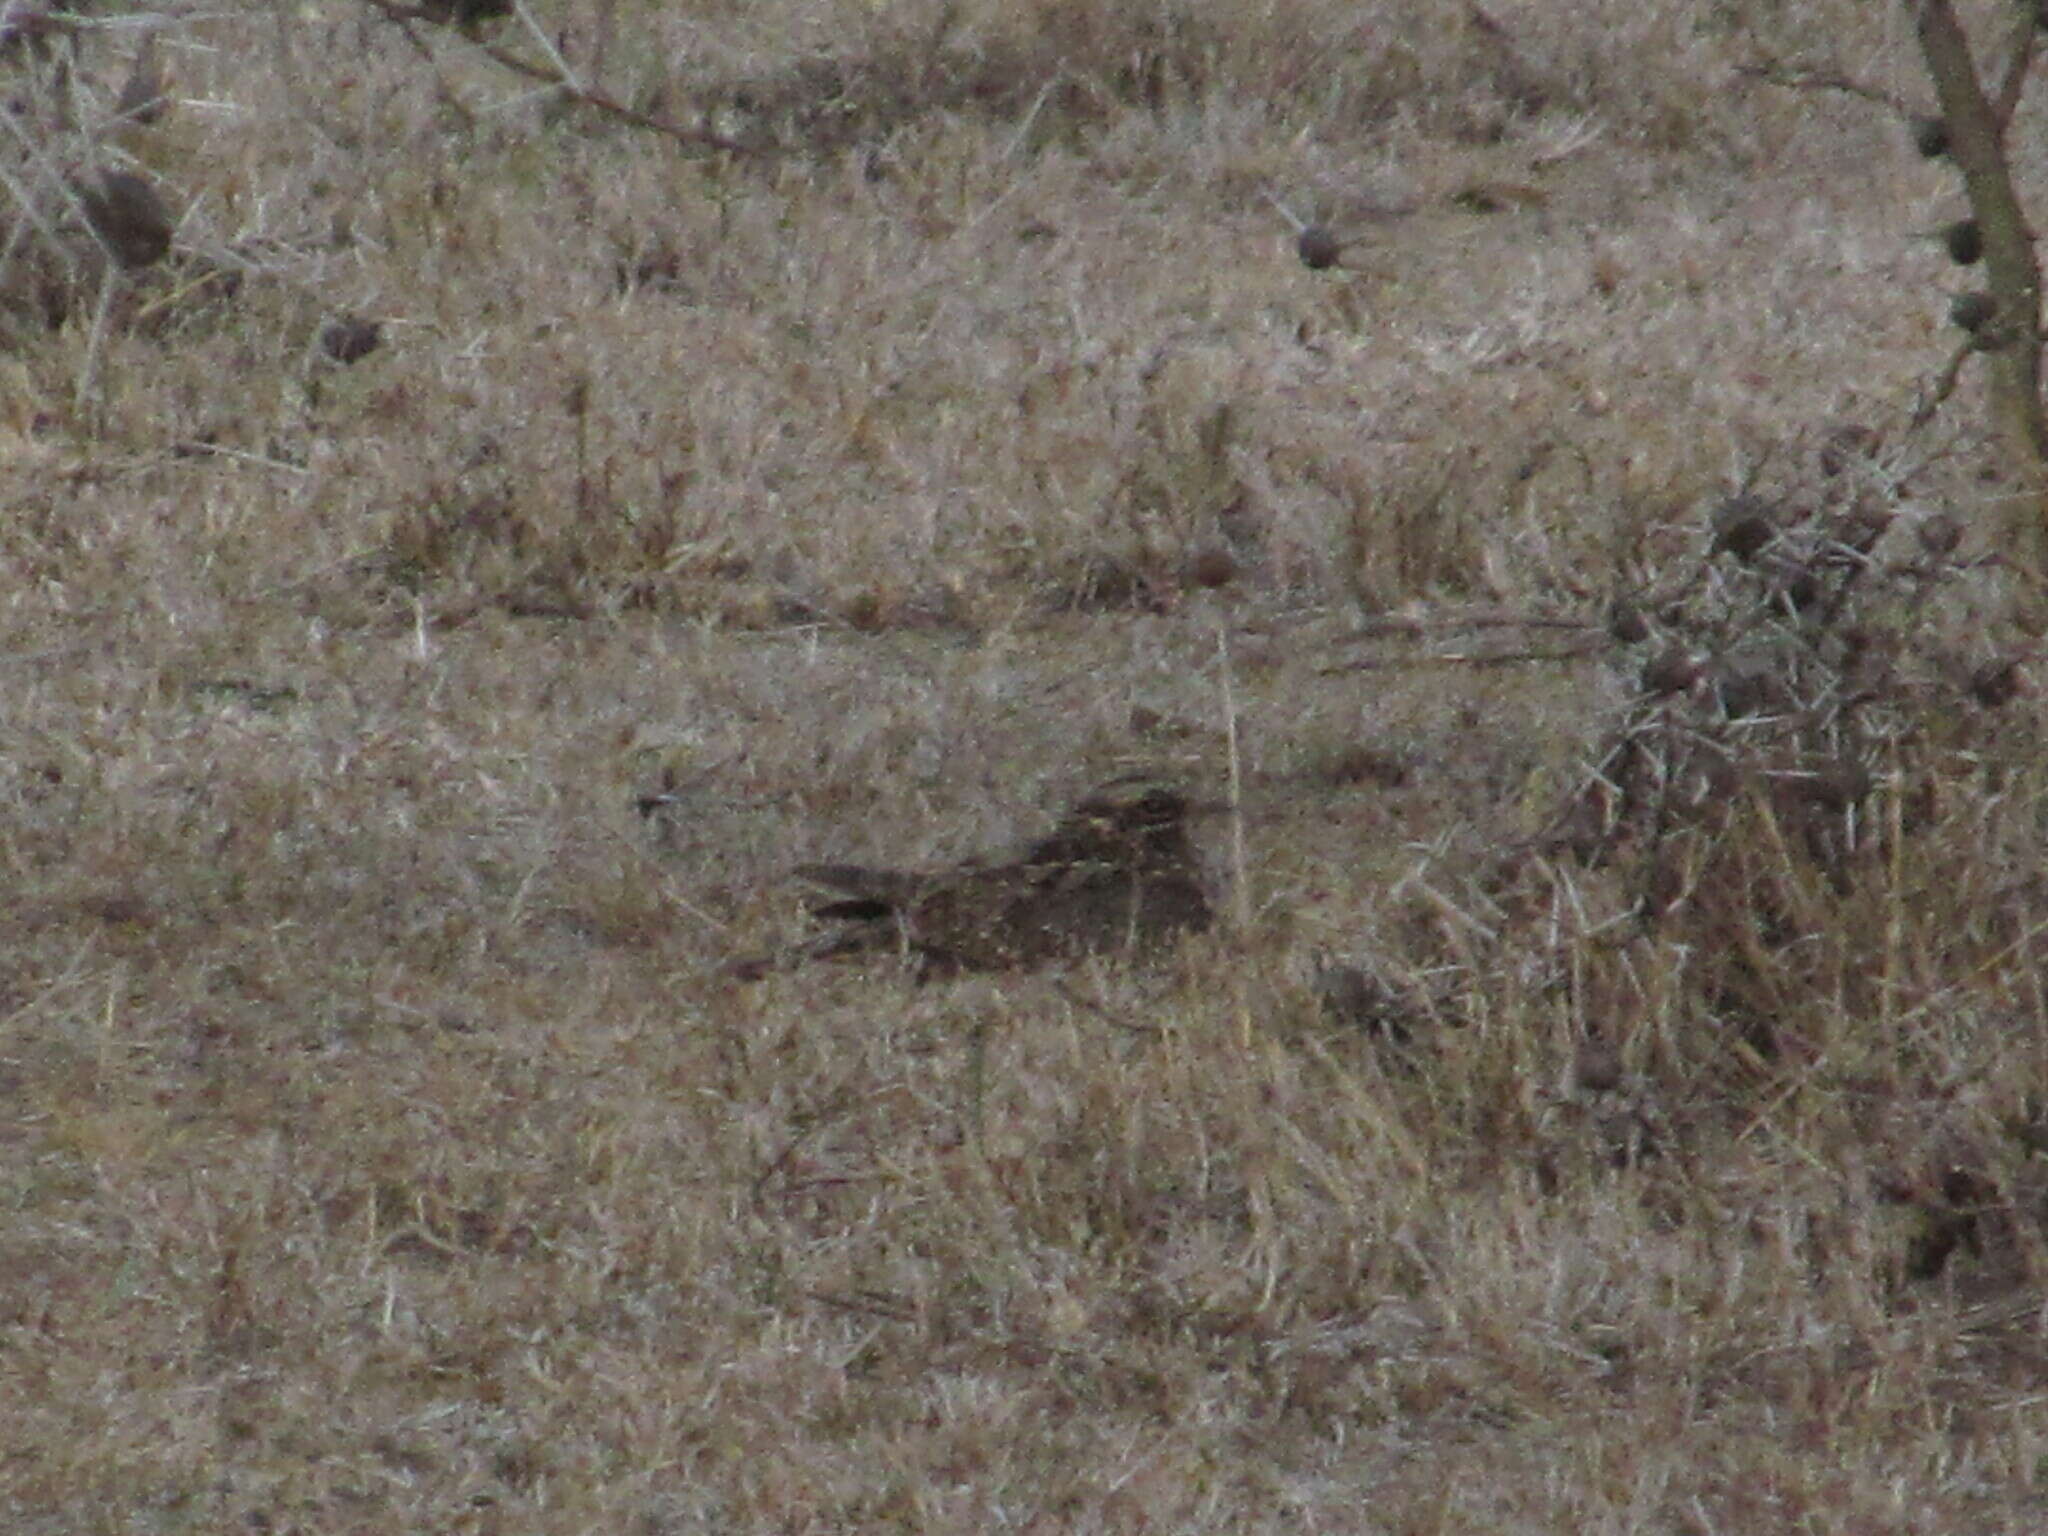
(1116, 875)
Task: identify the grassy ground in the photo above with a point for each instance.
(1609, 1106)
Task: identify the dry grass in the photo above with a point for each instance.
(1603, 1119)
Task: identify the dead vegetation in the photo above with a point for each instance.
(451, 587)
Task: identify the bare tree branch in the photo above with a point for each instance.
(1793, 78)
(2018, 60)
(1976, 143)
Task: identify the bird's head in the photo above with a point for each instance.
(1136, 812)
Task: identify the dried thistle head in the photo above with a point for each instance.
(1318, 248)
(1625, 622)
(1743, 525)
(1996, 683)
(1940, 534)
(1930, 137)
(351, 338)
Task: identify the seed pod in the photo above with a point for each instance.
(1365, 765)
(1800, 591)
(1835, 786)
(1995, 683)
(1357, 996)
(1597, 1067)
(1964, 241)
(1625, 622)
(1930, 137)
(1743, 526)
(1318, 248)
(1971, 311)
(1742, 691)
(1211, 566)
(1844, 444)
(351, 338)
(1940, 534)
(1673, 671)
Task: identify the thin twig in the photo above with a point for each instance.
(1795, 79)
(1240, 879)
(2016, 65)
(589, 96)
(547, 46)
(88, 372)
(197, 449)
(1461, 659)
(1944, 386)
(1421, 626)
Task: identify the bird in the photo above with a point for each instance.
(1117, 874)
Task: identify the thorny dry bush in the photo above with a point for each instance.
(1800, 885)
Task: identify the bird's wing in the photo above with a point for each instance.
(876, 889)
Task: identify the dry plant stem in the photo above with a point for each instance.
(1439, 622)
(1021, 138)
(1895, 913)
(1823, 80)
(701, 138)
(540, 37)
(2017, 63)
(1461, 659)
(977, 1082)
(842, 1102)
(1976, 144)
(87, 397)
(31, 221)
(1944, 386)
(25, 204)
(1240, 878)
(1240, 874)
